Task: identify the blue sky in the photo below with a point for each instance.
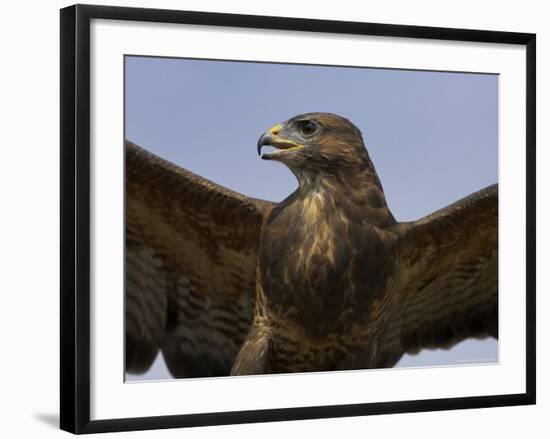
(433, 136)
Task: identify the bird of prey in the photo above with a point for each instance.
(327, 279)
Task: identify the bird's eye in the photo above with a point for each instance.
(307, 128)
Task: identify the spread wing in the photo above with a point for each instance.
(191, 250)
(446, 285)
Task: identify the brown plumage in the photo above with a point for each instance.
(325, 280)
(191, 250)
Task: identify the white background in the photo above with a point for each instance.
(29, 191)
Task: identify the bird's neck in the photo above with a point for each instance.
(357, 192)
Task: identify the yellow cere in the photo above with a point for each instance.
(275, 130)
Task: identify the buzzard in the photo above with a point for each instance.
(325, 280)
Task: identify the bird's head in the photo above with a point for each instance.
(316, 143)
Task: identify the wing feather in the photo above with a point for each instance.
(191, 254)
(446, 284)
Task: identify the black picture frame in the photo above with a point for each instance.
(75, 217)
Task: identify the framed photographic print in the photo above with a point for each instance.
(268, 218)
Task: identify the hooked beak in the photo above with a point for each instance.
(272, 138)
